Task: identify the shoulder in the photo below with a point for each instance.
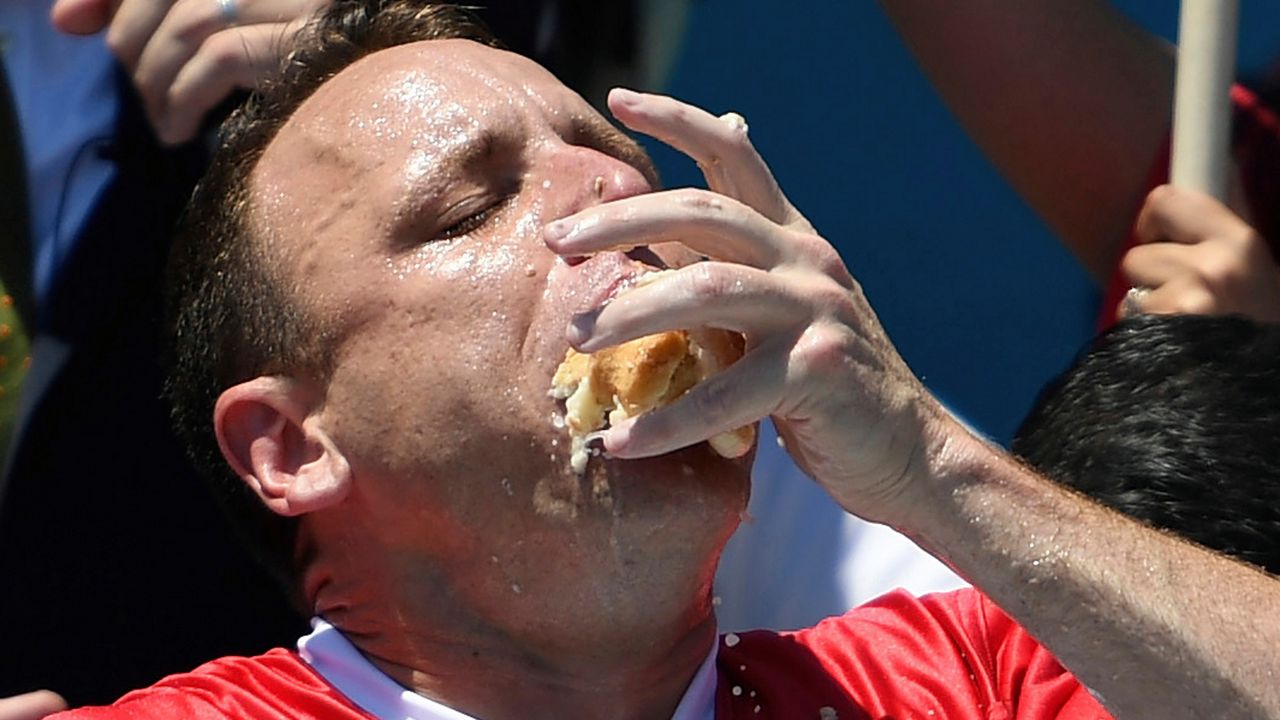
(947, 655)
(277, 684)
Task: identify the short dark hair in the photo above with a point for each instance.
(231, 317)
(1174, 421)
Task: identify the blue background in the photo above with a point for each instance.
(979, 297)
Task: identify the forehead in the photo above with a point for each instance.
(437, 83)
(406, 112)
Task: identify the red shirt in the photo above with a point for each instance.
(947, 656)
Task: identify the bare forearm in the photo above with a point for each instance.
(1067, 98)
(1158, 627)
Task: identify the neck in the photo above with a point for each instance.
(549, 657)
(641, 676)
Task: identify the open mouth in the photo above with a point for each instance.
(604, 388)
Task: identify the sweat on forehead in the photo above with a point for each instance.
(420, 104)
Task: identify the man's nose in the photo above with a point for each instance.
(591, 177)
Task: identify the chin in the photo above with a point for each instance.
(694, 483)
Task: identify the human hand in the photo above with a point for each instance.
(850, 411)
(1198, 257)
(186, 56)
(31, 706)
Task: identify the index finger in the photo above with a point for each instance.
(719, 145)
(82, 17)
(1180, 215)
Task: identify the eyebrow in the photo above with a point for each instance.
(475, 148)
(597, 133)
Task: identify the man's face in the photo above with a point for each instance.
(405, 203)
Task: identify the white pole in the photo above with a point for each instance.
(1201, 105)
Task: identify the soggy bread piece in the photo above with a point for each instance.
(609, 386)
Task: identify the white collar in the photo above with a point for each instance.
(342, 666)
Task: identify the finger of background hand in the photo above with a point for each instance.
(31, 706)
(709, 294)
(714, 225)
(1180, 296)
(739, 395)
(82, 17)
(720, 146)
(131, 27)
(184, 30)
(1155, 264)
(1173, 214)
(230, 59)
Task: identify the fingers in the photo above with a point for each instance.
(31, 706)
(740, 395)
(81, 17)
(1173, 214)
(186, 56)
(230, 59)
(1180, 296)
(730, 297)
(1153, 265)
(714, 225)
(1220, 274)
(719, 145)
(131, 27)
(187, 30)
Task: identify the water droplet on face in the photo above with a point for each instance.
(546, 184)
(506, 486)
(515, 588)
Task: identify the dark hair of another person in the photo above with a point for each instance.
(230, 317)
(1174, 421)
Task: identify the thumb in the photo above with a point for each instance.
(82, 17)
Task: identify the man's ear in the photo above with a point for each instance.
(270, 435)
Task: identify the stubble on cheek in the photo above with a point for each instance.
(566, 495)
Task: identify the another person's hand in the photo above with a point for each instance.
(186, 56)
(31, 706)
(850, 411)
(1198, 257)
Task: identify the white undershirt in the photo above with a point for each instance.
(342, 666)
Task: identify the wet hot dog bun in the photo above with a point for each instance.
(627, 380)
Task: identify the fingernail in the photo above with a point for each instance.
(618, 437)
(625, 96)
(581, 328)
(555, 230)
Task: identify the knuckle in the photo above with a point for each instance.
(1195, 301)
(224, 51)
(700, 201)
(121, 45)
(737, 137)
(821, 253)
(1162, 196)
(191, 28)
(1222, 269)
(705, 281)
(712, 399)
(822, 351)
(1131, 263)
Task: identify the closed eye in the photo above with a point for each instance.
(473, 221)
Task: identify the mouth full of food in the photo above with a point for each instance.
(604, 388)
